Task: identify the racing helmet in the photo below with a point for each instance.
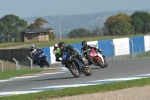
(55, 45)
(32, 47)
(62, 46)
(84, 44)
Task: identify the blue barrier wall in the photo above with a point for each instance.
(107, 47)
(47, 52)
(78, 46)
(138, 44)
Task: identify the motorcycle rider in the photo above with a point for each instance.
(57, 52)
(33, 53)
(85, 47)
(68, 48)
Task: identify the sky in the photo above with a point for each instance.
(31, 8)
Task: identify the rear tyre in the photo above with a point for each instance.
(41, 66)
(87, 71)
(46, 62)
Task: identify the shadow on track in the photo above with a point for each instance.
(55, 79)
(96, 68)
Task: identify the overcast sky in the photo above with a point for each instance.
(30, 8)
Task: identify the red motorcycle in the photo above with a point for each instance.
(96, 58)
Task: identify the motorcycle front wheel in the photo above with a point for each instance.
(105, 64)
(74, 70)
(99, 63)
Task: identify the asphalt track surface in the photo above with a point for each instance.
(116, 69)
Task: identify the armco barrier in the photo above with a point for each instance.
(147, 43)
(107, 47)
(121, 46)
(47, 53)
(138, 42)
(78, 46)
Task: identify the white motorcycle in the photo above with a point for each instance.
(96, 58)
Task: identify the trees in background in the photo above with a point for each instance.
(81, 32)
(11, 27)
(38, 23)
(141, 22)
(119, 24)
(122, 24)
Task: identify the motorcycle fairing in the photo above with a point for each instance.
(96, 55)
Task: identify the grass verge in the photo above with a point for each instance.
(24, 72)
(144, 54)
(14, 73)
(10, 71)
(79, 90)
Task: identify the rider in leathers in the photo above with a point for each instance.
(56, 52)
(85, 47)
(33, 53)
(68, 48)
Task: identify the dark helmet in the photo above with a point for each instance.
(84, 44)
(62, 45)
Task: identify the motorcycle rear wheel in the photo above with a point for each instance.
(87, 71)
(46, 62)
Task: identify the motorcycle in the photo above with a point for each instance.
(41, 58)
(96, 58)
(75, 66)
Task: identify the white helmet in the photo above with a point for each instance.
(55, 45)
(32, 46)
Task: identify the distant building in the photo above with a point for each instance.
(36, 35)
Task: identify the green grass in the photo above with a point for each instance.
(79, 90)
(145, 54)
(15, 73)
(11, 44)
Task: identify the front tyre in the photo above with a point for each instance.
(74, 70)
(105, 64)
(99, 63)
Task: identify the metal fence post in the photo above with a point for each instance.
(31, 61)
(17, 63)
(140, 50)
(2, 65)
(132, 47)
(114, 49)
